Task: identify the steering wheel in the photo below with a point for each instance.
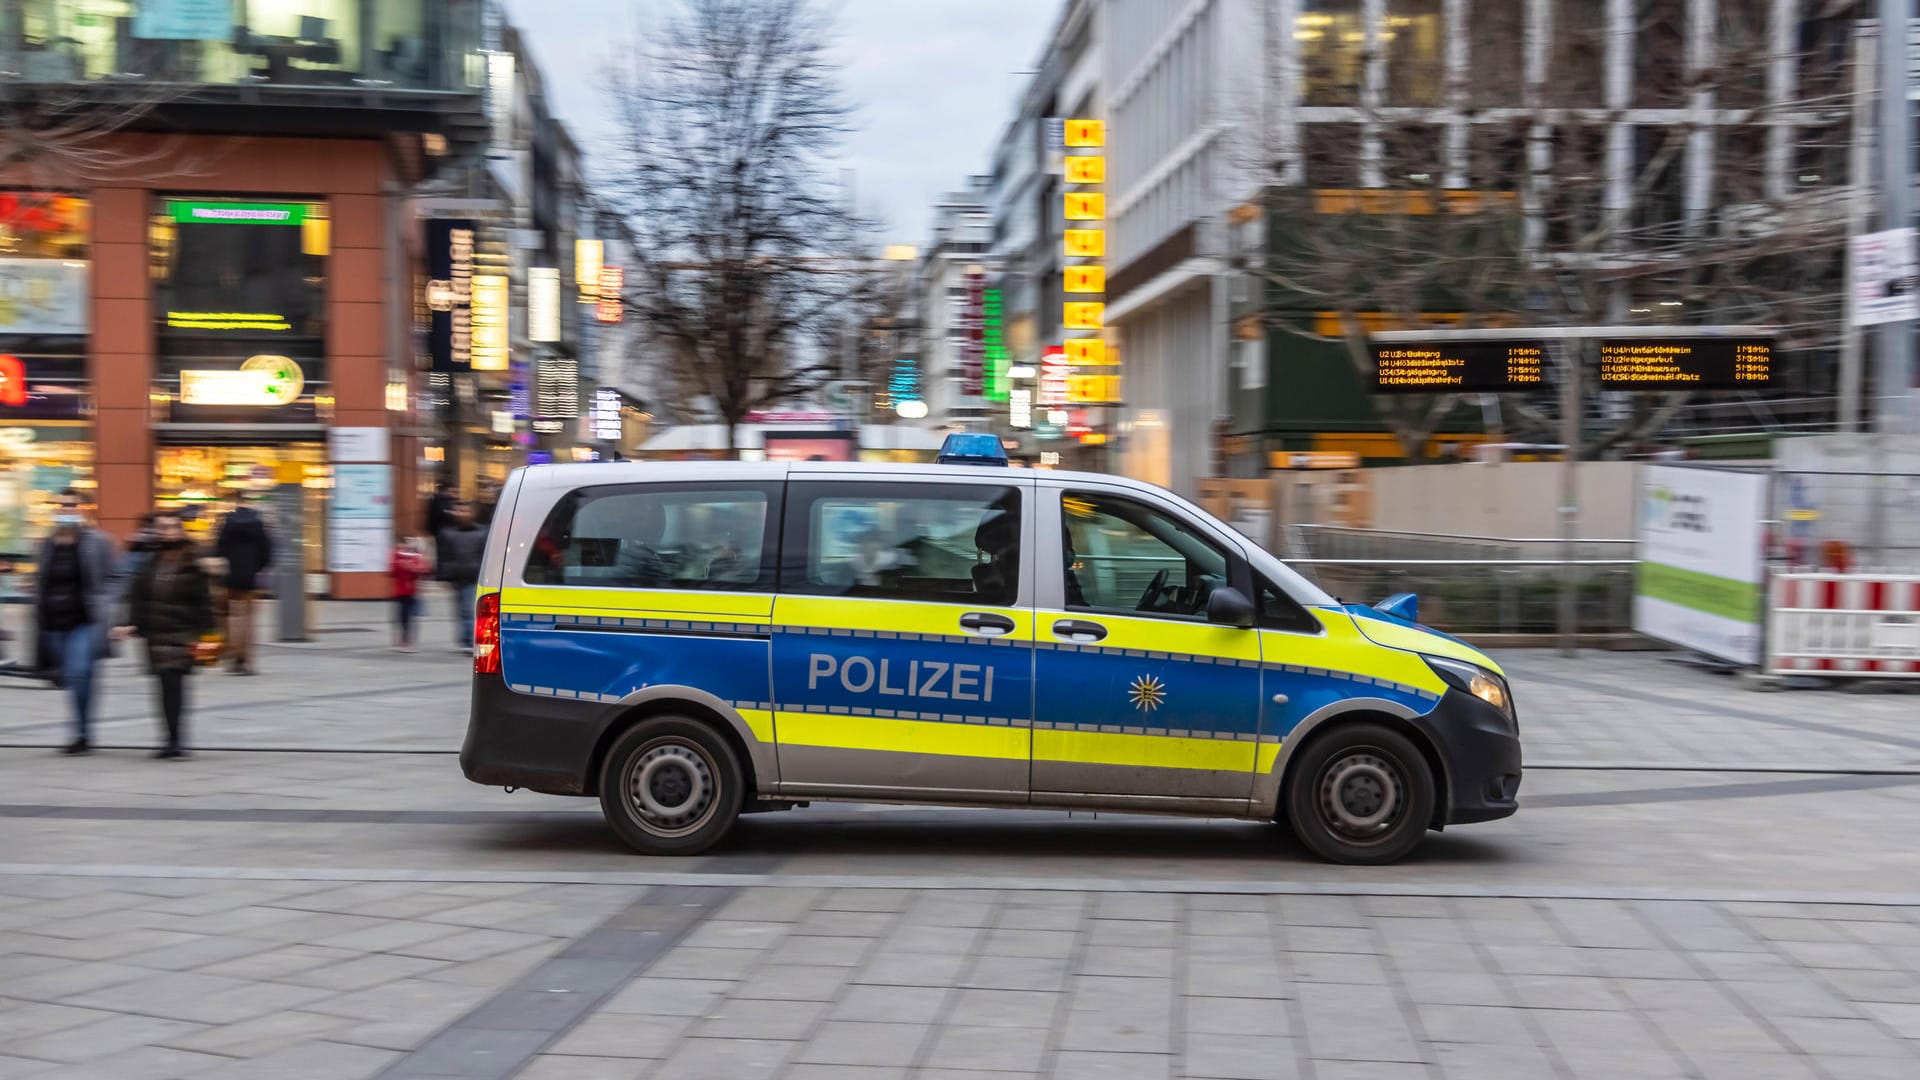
(1154, 589)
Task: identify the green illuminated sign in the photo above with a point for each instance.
(198, 212)
(993, 339)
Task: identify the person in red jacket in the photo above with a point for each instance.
(409, 566)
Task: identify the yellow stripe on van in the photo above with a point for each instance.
(760, 722)
(1343, 648)
(1149, 751)
(903, 736)
(1162, 635)
(899, 616)
(738, 607)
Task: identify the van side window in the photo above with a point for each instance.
(948, 543)
(659, 536)
(1127, 558)
(1278, 611)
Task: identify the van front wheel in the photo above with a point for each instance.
(671, 786)
(1361, 794)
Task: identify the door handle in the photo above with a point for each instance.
(986, 623)
(1079, 630)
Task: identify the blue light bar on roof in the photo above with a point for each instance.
(971, 448)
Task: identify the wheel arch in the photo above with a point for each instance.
(692, 704)
(1270, 789)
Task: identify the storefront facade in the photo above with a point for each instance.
(241, 309)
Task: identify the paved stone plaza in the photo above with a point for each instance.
(1704, 881)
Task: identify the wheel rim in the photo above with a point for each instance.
(1363, 795)
(671, 787)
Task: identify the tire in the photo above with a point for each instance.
(671, 786)
(1361, 794)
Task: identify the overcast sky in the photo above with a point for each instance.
(934, 82)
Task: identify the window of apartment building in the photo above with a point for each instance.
(1820, 155)
(1659, 168)
(1823, 50)
(1414, 43)
(1331, 39)
(1496, 54)
(1743, 49)
(1577, 54)
(1497, 156)
(1739, 172)
(1413, 155)
(1574, 192)
(1330, 155)
(1661, 73)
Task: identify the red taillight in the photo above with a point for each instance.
(486, 635)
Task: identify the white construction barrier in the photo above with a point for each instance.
(1864, 625)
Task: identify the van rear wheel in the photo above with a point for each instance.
(671, 786)
(1361, 794)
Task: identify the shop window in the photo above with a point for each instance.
(1331, 39)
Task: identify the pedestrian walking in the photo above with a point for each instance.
(460, 547)
(74, 590)
(409, 566)
(440, 509)
(170, 607)
(487, 502)
(247, 546)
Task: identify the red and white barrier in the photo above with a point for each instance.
(1852, 625)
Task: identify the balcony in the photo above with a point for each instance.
(364, 45)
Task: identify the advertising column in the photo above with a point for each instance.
(1702, 555)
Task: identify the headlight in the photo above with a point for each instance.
(1475, 680)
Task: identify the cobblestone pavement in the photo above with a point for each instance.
(1703, 882)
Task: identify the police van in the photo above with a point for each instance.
(693, 641)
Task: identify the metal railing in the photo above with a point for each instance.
(1470, 584)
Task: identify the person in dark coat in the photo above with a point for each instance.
(440, 509)
(247, 546)
(459, 549)
(74, 590)
(170, 607)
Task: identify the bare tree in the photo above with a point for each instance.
(1542, 228)
(726, 117)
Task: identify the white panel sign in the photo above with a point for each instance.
(43, 296)
(543, 303)
(360, 519)
(1702, 557)
(357, 444)
(1884, 285)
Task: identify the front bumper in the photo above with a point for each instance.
(1481, 752)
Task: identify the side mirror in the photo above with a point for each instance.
(1229, 606)
(1404, 606)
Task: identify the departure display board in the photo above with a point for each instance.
(1457, 367)
(1686, 363)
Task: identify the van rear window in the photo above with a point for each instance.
(659, 536)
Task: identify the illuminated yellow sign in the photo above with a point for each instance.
(1085, 389)
(262, 381)
(228, 320)
(1083, 315)
(587, 257)
(1086, 206)
(1086, 243)
(489, 299)
(1086, 133)
(1090, 278)
(1086, 170)
(1086, 351)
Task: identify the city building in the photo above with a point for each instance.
(208, 252)
(952, 285)
(1027, 186)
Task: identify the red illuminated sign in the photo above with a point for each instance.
(13, 381)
